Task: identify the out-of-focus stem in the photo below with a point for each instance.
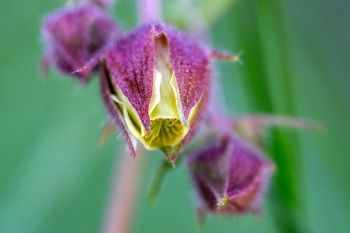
(126, 180)
(123, 195)
(149, 10)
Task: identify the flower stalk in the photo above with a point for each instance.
(149, 10)
(123, 196)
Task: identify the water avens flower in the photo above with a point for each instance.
(159, 80)
(74, 36)
(229, 176)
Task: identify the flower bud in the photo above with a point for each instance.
(229, 176)
(159, 82)
(74, 36)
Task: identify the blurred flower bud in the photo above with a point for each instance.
(159, 80)
(74, 36)
(229, 176)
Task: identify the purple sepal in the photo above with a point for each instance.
(190, 63)
(229, 176)
(130, 63)
(75, 36)
(111, 108)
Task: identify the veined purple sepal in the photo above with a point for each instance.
(74, 37)
(107, 91)
(229, 176)
(130, 63)
(190, 62)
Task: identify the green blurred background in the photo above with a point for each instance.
(55, 177)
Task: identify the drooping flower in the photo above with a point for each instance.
(74, 37)
(229, 176)
(158, 81)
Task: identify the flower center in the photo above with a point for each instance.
(168, 126)
(164, 132)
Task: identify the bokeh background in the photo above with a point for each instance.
(55, 177)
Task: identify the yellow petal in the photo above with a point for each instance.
(164, 98)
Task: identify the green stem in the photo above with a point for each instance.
(157, 182)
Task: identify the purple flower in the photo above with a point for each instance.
(157, 82)
(229, 176)
(74, 37)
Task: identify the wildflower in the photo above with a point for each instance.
(158, 83)
(74, 36)
(229, 176)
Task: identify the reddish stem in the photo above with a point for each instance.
(123, 196)
(149, 10)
